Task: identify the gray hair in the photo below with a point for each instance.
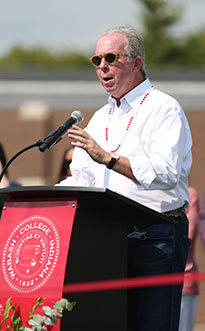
(135, 43)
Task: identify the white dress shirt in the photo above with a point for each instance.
(158, 145)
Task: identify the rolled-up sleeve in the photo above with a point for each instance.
(161, 155)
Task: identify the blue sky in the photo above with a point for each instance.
(66, 23)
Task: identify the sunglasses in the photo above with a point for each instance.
(109, 58)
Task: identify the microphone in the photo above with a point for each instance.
(55, 136)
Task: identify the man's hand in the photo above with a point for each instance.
(80, 138)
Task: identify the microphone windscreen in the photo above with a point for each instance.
(78, 116)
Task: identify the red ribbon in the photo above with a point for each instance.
(121, 284)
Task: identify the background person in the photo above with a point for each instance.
(201, 223)
(190, 288)
(139, 145)
(65, 164)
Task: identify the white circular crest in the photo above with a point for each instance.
(30, 254)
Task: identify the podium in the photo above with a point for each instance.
(97, 252)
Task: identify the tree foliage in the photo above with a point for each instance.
(158, 16)
(162, 47)
(19, 57)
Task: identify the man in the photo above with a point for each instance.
(190, 290)
(139, 145)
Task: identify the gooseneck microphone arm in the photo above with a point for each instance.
(37, 144)
(53, 138)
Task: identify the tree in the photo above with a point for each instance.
(162, 48)
(194, 48)
(157, 19)
(19, 57)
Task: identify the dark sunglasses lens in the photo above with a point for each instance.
(110, 58)
(96, 60)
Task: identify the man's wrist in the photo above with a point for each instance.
(113, 159)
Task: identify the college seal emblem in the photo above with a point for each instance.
(30, 254)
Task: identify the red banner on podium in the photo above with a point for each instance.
(34, 244)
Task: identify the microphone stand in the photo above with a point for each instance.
(43, 144)
(37, 144)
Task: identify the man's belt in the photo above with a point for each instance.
(175, 212)
(172, 213)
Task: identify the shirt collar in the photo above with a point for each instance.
(129, 99)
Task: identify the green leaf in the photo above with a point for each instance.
(56, 313)
(43, 328)
(17, 321)
(37, 320)
(64, 304)
(22, 328)
(8, 308)
(38, 303)
(47, 310)
(50, 321)
(13, 307)
(71, 305)
(59, 305)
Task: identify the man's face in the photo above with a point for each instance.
(119, 77)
